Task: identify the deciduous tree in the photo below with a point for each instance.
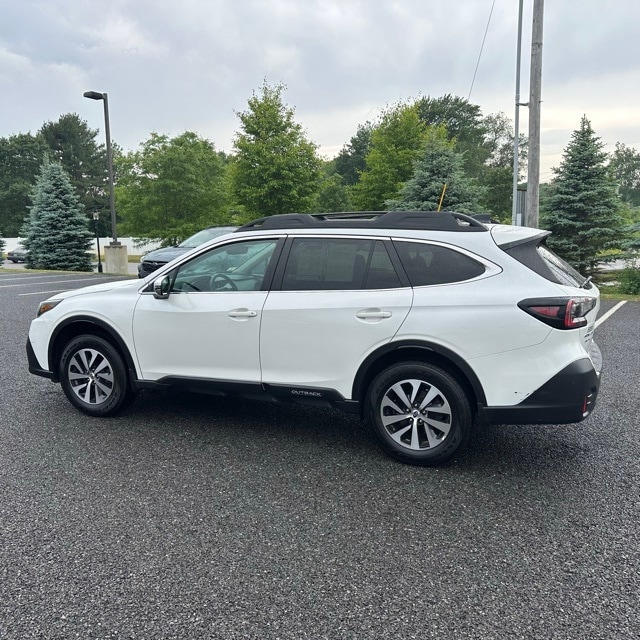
(624, 165)
(74, 144)
(396, 143)
(464, 124)
(171, 187)
(351, 161)
(276, 169)
(20, 159)
(333, 195)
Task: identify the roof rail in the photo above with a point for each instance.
(431, 220)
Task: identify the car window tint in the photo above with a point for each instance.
(327, 263)
(240, 266)
(428, 264)
(381, 273)
(338, 264)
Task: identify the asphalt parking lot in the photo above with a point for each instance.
(194, 517)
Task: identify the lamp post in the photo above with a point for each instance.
(95, 95)
(96, 217)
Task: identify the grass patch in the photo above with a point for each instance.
(619, 296)
(130, 258)
(612, 283)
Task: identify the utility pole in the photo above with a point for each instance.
(515, 218)
(535, 91)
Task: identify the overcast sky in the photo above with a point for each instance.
(170, 66)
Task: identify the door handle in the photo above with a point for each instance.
(372, 314)
(242, 313)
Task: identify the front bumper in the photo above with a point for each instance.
(145, 268)
(570, 396)
(34, 365)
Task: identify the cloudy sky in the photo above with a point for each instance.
(170, 66)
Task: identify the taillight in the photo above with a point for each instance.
(559, 313)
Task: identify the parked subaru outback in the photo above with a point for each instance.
(421, 322)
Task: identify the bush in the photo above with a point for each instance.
(630, 281)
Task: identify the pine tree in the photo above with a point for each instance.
(56, 232)
(439, 164)
(583, 210)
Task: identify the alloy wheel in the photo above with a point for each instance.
(416, 414)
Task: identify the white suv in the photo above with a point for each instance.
(421, 322)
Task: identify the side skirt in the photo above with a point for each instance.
(309, 396)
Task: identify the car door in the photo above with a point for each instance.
(334, 301)
(208, 326)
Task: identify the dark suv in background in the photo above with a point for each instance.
(159, 257)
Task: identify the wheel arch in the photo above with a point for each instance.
(409, 350)
(87, 325)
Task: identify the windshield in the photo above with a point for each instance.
(206, 234)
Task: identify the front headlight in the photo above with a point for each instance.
(47, 306)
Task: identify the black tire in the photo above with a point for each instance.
(94, 377)
(418, 413)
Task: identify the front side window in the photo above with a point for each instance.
(338, 264)
(429, 264)
(240, 266)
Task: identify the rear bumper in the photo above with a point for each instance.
(570, 396)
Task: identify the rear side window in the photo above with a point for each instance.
(338, 264)
(381, 273)
(428, 264)
(563, 271)
(545, 263)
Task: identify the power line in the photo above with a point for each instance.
(481, 49)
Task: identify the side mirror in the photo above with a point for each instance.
(162, 287)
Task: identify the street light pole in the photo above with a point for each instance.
(95, 95)
(96, 217)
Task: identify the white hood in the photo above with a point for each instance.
(95, 288)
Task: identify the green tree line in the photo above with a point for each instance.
(422, 154)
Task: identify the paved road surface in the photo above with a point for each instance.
(197, 517)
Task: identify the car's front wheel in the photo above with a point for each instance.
(94, 377)
(419, 413)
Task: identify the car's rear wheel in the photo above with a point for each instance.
(94, 377)
(419, 413)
